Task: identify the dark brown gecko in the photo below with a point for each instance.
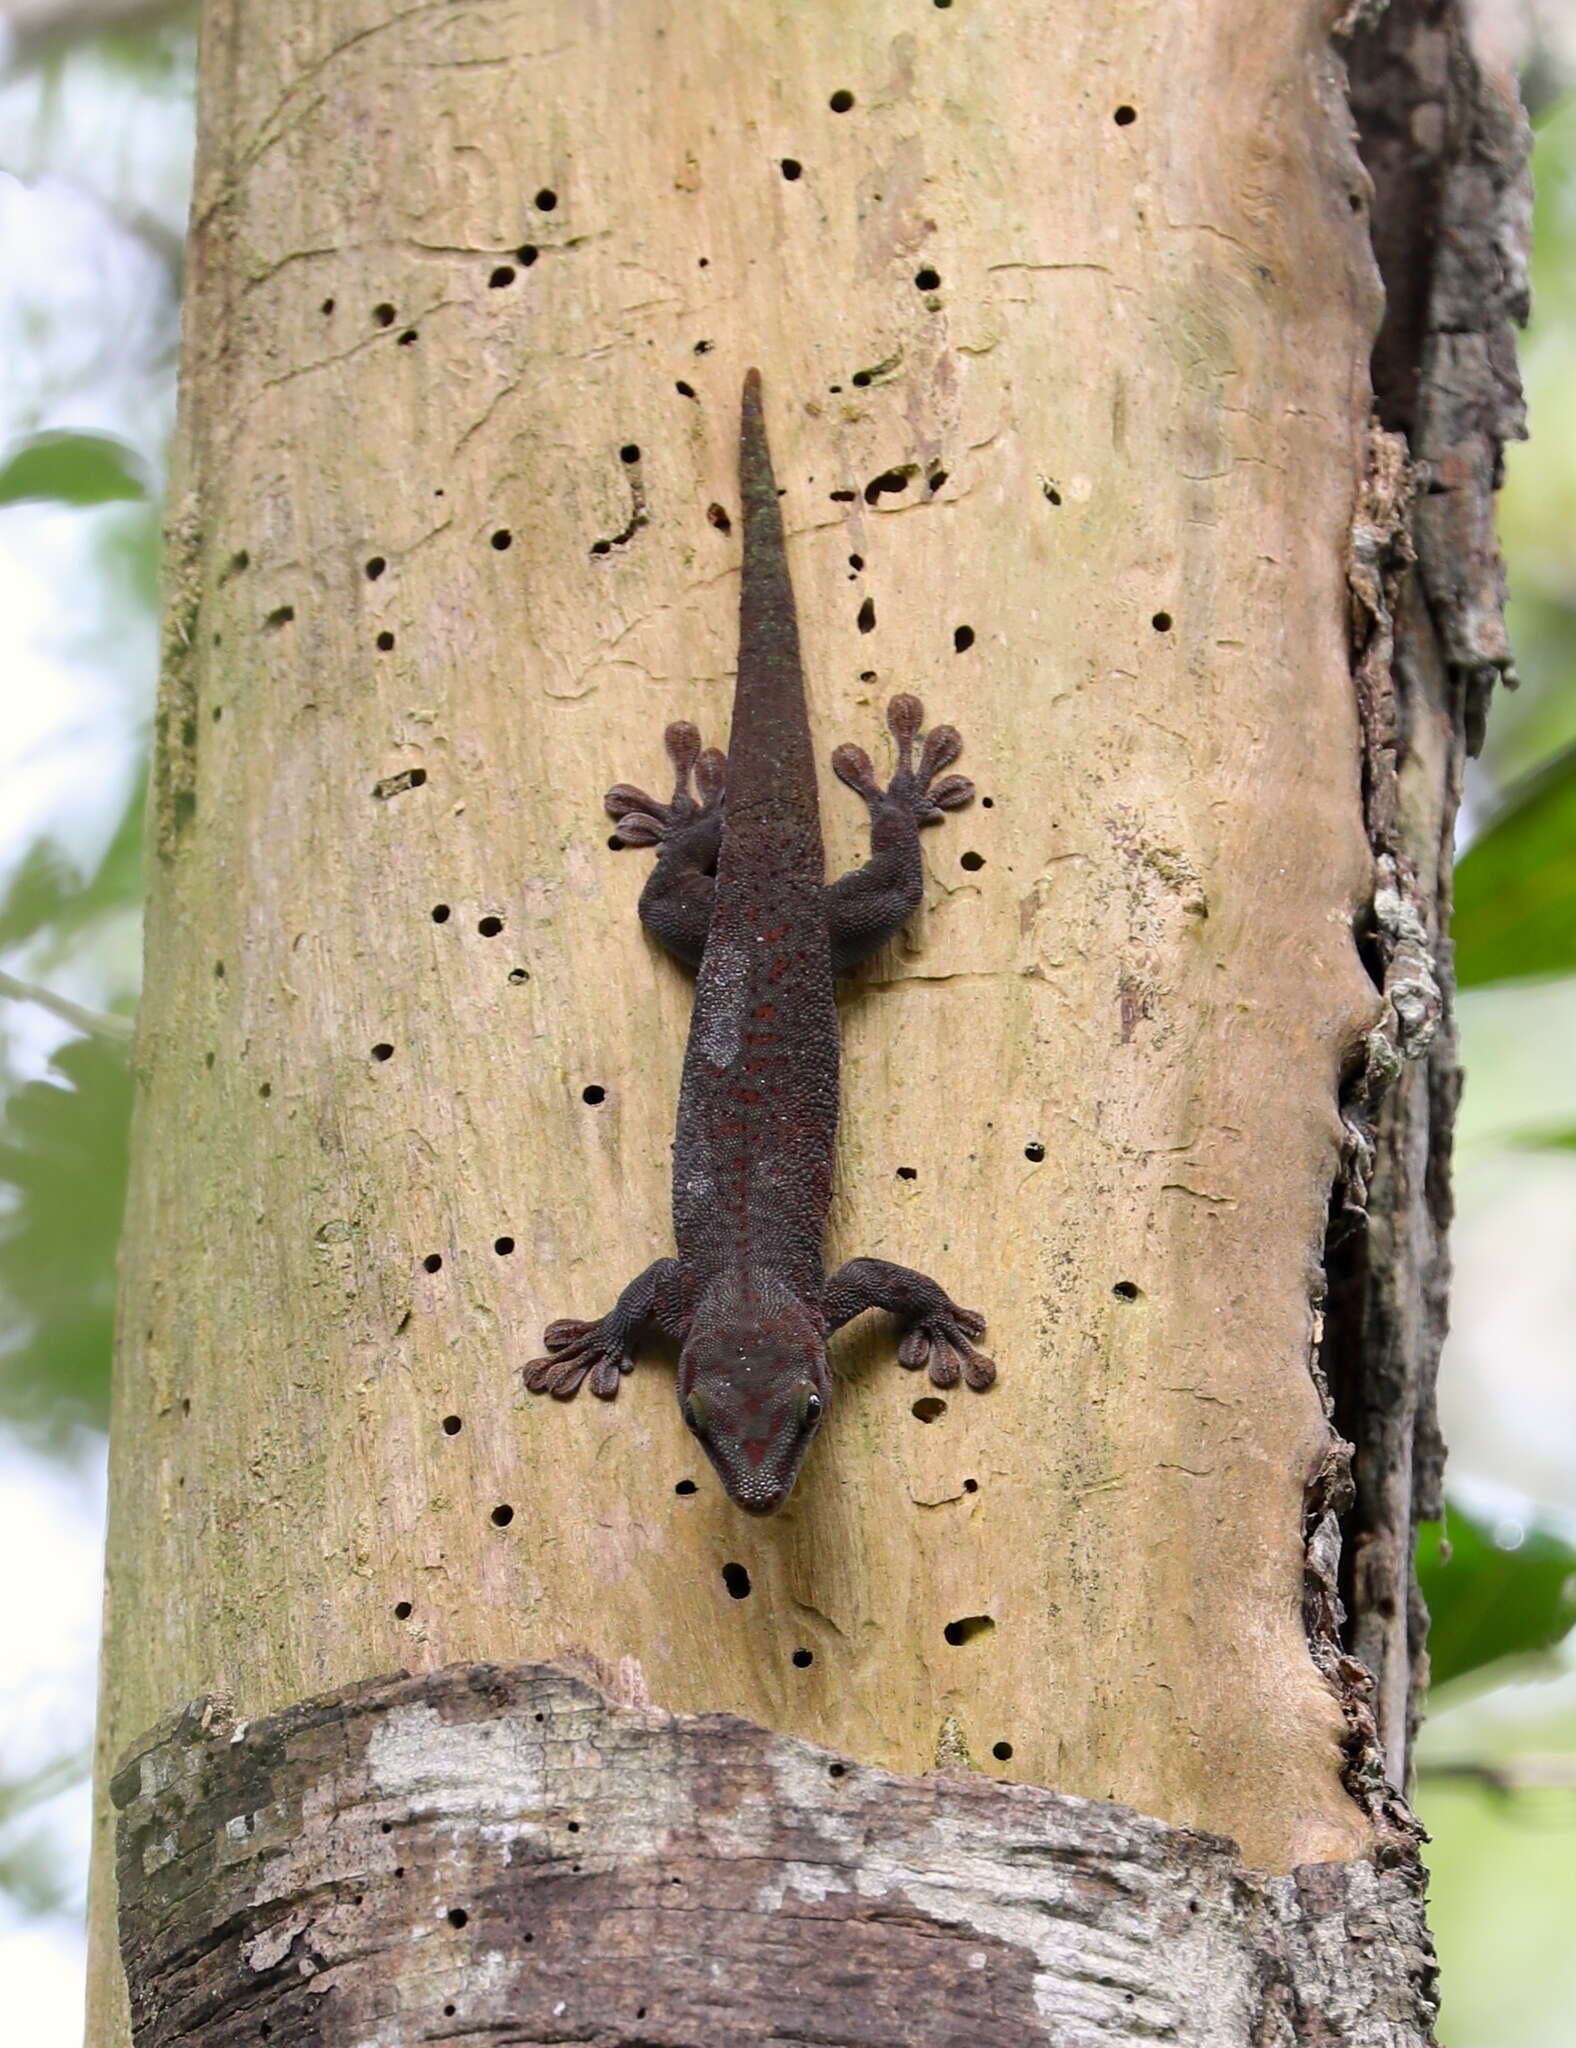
(739, 890)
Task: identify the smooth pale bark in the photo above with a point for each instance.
(1065, 326)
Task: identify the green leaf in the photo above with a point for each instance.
(1494, 1590)
(1516, 884)
(72, 469)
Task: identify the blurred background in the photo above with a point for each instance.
(95, 147)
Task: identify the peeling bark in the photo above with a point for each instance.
(1446, 144)
(502, 1852)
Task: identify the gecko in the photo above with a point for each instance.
(738, 891)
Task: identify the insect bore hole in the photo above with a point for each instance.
(1126, 1290)
(489, 927)
(402, 1610)
(503, 275)
(502, 1515)
(1034, 1151)
(971, 862)
(452, 1425)
(440, 913)
(962, 639)
(1161, 622)
(458, 1916)
(685, 1488)
(841, 101)
(791, 168)
(503, 1246)
(502, 539)
(383, 1052)
(546, 199)
(1125, 116)
(385, 642)
(737, 1581)
(969, 1628)
(927, 280)
(803, 1659)
(928, 1408)
(1002, 1752)
(593, 1093)
(433, 1262)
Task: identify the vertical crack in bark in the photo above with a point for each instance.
(1445, 144)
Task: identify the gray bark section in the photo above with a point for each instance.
(506, 1853)
(1446, 147)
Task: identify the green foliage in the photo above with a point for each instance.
(63, 1164)
(1494, 1593)
(1515, 908)
(72, 469)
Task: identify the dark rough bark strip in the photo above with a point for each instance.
(505, 1853)
(1446, 146)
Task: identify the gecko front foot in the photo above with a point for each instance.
(936, 1332)
(603, 1351)
(943, 1340)
(913, 789)
(579, 1351)
(643, 821)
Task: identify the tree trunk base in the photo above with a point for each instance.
(509, 1853)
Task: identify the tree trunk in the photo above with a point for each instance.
(1065, 323)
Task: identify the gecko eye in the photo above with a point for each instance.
(810, 1410)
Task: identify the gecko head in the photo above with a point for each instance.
(754, 1387)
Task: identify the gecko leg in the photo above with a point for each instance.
(936, 1332)
(675, 905)
(866, 907)
(605, 1350)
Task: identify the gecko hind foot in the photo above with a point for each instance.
(944, 1342)
(581, 1351)
(917, 788)
(643, 820)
